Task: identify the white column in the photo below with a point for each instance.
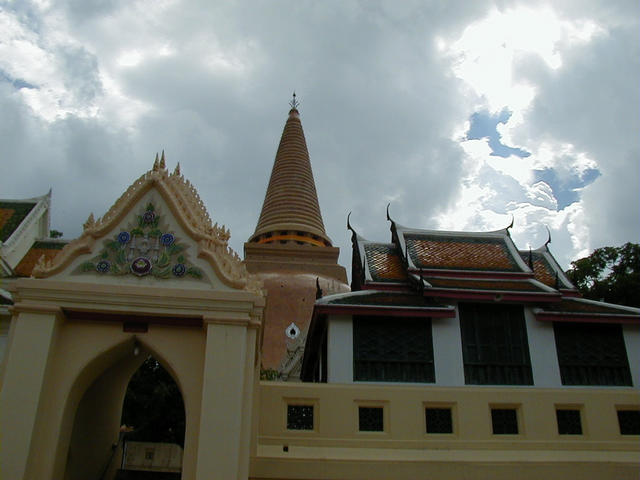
(447, 351)
(340, 349)
(542, 351)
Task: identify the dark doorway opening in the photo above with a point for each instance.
(153, 425)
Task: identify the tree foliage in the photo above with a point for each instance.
(611, 274)
(153, 406)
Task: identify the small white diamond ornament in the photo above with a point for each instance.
(292, 331)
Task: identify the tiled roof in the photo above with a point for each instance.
(11, 215)
(545, 268)
(384, 263)
(48, 248)
(291, 201)
(474, 253)
(582, 306)
(483, 284)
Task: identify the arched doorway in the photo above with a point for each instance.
(152, 428)
(137, 391)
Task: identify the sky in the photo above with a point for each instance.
(461, 115)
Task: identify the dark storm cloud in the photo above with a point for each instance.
(209, 83)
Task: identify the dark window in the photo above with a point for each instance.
(371, 419)
(629, 421)
(591, 354)
(392, 350)
(494, 345)
(504, 421)
(438, 420)
(569, 422)
(300, 417)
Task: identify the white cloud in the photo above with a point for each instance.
(486, 52)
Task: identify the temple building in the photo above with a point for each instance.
(452, 355)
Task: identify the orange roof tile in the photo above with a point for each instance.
(48, 249)
(384, 263)
(460, 253)
(11, 215)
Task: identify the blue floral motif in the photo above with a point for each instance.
(124, 237)
(103, 266)
(167, 239)
(179, 269)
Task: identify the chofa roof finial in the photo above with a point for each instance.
(349, 227)
(549, 239)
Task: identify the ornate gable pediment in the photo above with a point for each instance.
(159, 228)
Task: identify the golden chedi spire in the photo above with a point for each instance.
(290, 212)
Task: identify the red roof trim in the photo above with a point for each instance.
(384, 311)
(587, 318)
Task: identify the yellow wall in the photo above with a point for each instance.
(336, 449)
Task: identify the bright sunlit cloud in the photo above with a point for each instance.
(486, 51)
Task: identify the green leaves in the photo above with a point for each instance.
(162, 272)
(611, 274)
(163, 261)
(175, 248)
(114, 245)
(194, 272)
(88, 266)
(121, 257)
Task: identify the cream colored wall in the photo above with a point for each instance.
(31, 341)
(5, 322)
(336, 449)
